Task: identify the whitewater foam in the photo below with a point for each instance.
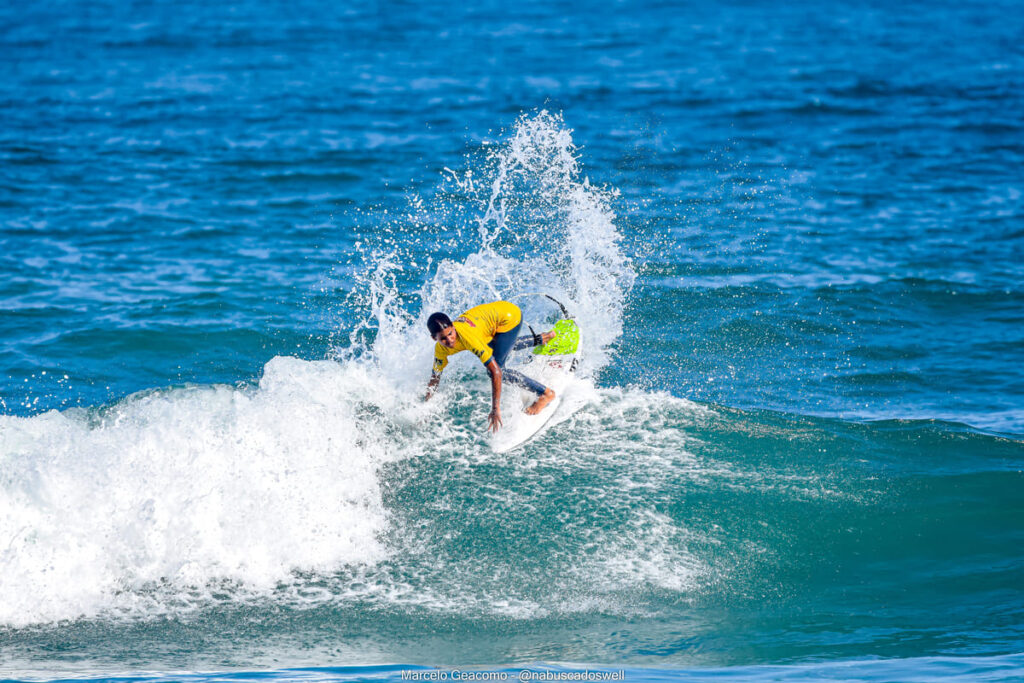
(190, 487)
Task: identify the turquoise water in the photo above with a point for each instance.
(792, 237)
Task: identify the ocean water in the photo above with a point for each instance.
(792, 235)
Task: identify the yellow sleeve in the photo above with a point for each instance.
(440, 359)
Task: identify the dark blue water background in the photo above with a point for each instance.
(823, 205)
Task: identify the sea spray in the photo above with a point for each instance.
(520, 220)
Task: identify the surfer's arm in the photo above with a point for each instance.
(435, 379)
(494, 419)
(440, 363)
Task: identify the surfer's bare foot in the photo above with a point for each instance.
(541, 402)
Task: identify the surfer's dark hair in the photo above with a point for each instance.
(437, 322)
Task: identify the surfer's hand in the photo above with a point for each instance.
(494, 420)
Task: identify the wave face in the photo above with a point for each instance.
(794, 446)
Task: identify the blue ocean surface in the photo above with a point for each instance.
(792, 235)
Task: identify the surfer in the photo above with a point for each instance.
(491, 332)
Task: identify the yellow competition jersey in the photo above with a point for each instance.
(476, 328)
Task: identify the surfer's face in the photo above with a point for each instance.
(446, 337)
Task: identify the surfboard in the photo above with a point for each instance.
(553, 365)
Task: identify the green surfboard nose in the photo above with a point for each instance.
(566, 341)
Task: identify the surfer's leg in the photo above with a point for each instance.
(521, 380)
(528, 341)
(503, 344)
(542, 401)
(544, 394)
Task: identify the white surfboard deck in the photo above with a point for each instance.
(555, 372)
